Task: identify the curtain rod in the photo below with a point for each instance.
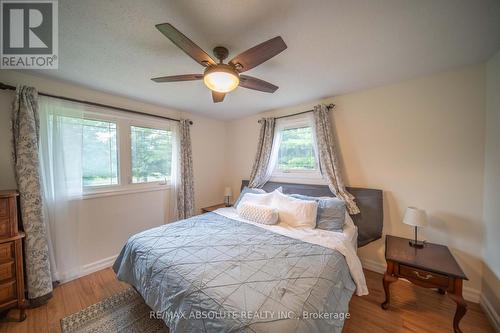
(329, 107)
(4, 86)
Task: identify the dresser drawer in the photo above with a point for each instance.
(7, 271)
(7, 251)
(4, 208)
(5, 227)
(416, 274)
(7, 292)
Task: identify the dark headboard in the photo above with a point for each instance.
(369, 221)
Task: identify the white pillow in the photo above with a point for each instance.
(258, 213)
(294, 212)
(257, 198)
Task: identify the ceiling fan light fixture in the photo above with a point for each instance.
(221, 78)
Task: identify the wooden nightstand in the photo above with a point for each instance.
(430, 267)
(212, 208)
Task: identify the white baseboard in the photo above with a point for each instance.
(470, 294)
(98, 265)
(491, 313)
(372, 265)
(88, 269)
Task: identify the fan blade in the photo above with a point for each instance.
(185, 44)
(251, 82)
(177, 78)
(218, 96)
(258, 54)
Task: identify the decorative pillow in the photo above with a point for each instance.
(258, 213)
(245, 191)
(295, 212)
(331, 212)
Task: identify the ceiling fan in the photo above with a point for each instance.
(222, 78)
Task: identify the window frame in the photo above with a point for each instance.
(103, 117)
(150, 126)
(123, 123)
(312, 176)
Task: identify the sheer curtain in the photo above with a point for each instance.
(61, 132)
(175, 175)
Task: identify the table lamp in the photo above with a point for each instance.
(416, 218)
(228, 193)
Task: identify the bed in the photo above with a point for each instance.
(216, 272)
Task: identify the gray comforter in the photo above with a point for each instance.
(210, 273)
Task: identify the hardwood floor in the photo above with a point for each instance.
(412, 309)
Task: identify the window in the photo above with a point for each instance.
(99, 155)
(122, 152)
(295, 153)
(151, 154)
(96, 151)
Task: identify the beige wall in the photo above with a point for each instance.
(7, 180)
(106, 222)
(422, 142)
(491, 273)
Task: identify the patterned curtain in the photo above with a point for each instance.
(260, 170)
(328, 158)
(185, 188)
(25, 130)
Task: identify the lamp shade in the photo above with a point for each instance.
(221, 78)
(415, 217)
(228, 192)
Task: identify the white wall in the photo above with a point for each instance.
(491, 269)
(422, 142)
(106, 222)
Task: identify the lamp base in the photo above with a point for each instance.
(416, 244)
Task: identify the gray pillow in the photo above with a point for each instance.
(331, 212)
(248, 190)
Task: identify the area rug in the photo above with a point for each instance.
(123, 312)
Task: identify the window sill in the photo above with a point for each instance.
(298, 177)
(124, 191)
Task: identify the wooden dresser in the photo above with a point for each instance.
(11, 255)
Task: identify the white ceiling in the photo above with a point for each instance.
(334, 46)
